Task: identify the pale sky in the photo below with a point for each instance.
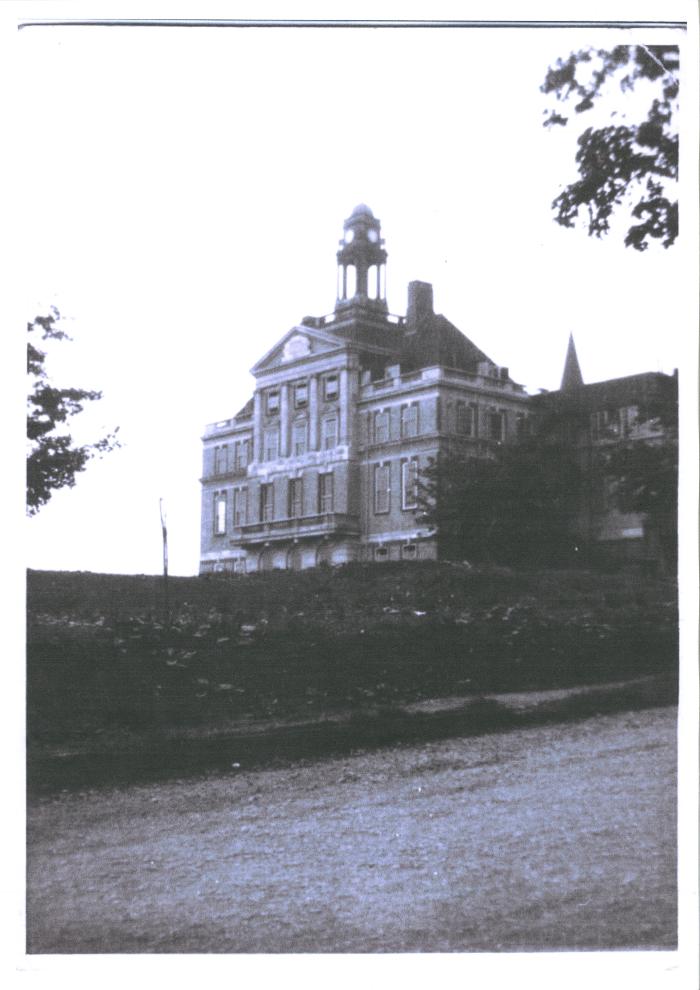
(184, 194)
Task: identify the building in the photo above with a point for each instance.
(592, 419)
(321, 464)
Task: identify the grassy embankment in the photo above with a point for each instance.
(103, 661)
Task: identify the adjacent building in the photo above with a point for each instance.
(321, 464)
(592, 419)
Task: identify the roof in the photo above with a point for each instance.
(246, 412)
(362, 210)
(436, 341)
(572, 377)
(632, 390)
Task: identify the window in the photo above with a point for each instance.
(299, 438)
(272, 403)
(271, 445)
(382, 491)
(330, 387)
(296, 498)
(628, 419)
(301, 394)
(604, 425)
(325, 492)
(330, 432)
(221, 459)
(409, 484)
(409, 551)
(381, 553)
(521, 426)
(496, 425)
(450, 421)
(241, 455)
(240, 506)
(409, 420)
(220, 501)
(465, 419)
(381, 426)
(266, 502)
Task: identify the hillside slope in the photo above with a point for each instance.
(101, 650)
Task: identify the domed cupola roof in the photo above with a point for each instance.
(362, 210)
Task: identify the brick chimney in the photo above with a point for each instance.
(420, 303)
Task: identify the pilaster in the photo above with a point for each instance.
(313, 412)
(284, 420)
(257, 426)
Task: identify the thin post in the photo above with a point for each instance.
(163, 523)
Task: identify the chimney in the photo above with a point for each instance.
(420, 303)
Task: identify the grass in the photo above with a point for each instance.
(104, 657)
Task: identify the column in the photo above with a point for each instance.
(284, 421)
(343, 396)
(313, 412)
(257, 427)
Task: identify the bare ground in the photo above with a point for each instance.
(559, 836)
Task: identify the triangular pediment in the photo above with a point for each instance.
(298, 345)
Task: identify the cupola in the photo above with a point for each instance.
(362, 262)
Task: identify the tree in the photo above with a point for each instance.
(644, 475)
(516, 506)
(626, 161)
(53, 460)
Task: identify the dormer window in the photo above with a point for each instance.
(272, 401)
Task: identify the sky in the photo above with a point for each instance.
(184, 191)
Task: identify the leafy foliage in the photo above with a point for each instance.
(514, 507)
(617, 162)
(645, 476)
(53, 460)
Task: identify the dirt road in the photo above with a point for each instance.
(560, 836)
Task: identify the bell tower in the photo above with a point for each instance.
(362, 262)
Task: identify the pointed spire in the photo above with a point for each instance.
(572, 376)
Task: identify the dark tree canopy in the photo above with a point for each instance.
(53, 460)
(513, 507)
(624, 162)
(644, 476)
